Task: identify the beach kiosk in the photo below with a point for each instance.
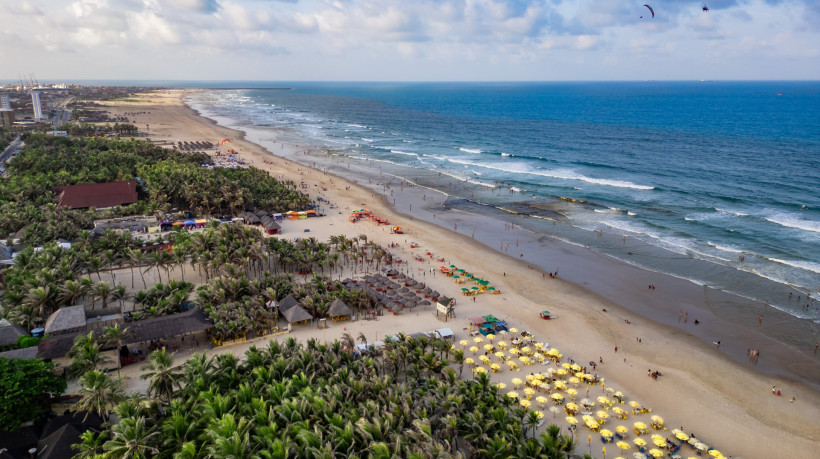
(339, 311)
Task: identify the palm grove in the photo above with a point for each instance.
(242, 272)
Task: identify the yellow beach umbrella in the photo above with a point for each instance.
(561, 385)
(488, 347)
(473, 349)
(502, 344)
(516, 381)
(529, 391)
(539, 345)
(557, 397)
(514, 351)
(524, 359)
(572, 391)
(540, 414)
(513, 330)
(478, 339)
(634, 404)
(574, 380)
(526, 350)
(544, 386)
(657, 419)
(682, 436)
(639, 441)
(469, 361)
(495, 367)
(604, 401)
(464, 342)
(607, 433)
(715, 453)
(553, 352)
(576, 367)
(490, 336)
(561, 372)
(572, 420)
(579, 374)
(572, 407)
(541, 399)
(623, 445)
(621, 429)
(501, 385)
(500, 355)
(639, 426)
(566, 366)
(656, 452)
(512, 394)
(524, 403)
(659, 442)
(602, 414)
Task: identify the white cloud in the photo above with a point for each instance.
(453, 39)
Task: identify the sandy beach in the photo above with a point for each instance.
(707, 390)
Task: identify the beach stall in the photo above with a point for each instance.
(339, 311)
(270, 225)
(296, 315)
(200, 222)
(165, 226)
(278, 217)
(445, 333)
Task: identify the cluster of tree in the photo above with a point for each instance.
(5, 138)
(88, 129)
(171, 180)
(243, 271)
(316, 400)
(25, 386)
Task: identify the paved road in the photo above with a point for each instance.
(13, 148)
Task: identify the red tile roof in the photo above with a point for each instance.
(98, 195)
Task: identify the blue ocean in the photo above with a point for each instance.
(718, 181)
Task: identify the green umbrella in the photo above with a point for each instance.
(474, 288)
(452, 266)
(465, 290)
(491, 288)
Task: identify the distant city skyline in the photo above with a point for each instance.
(390, 40)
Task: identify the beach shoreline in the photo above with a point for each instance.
(733, 397)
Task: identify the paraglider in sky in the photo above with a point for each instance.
(651, 11)
(705, 8)
(223, 141)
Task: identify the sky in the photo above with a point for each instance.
(410, 40)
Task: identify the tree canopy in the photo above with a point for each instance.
(293, 400)
(25, 385)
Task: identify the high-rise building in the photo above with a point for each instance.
(6, 117)
(5, 103)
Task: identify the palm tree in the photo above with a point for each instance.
(102, 290)
(131, 439)
(86, 355)
(137, 257)
(90, 446)
(113, 336)
(97, 394)
(162, 375)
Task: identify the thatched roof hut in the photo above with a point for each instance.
(296, 314)
(338, 309)
(9, 332)
(66, 320)
(287, 303)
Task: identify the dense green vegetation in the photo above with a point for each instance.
(291, 400)
(171, 180)
(5, 138)
(25, 385)
(88, 129)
